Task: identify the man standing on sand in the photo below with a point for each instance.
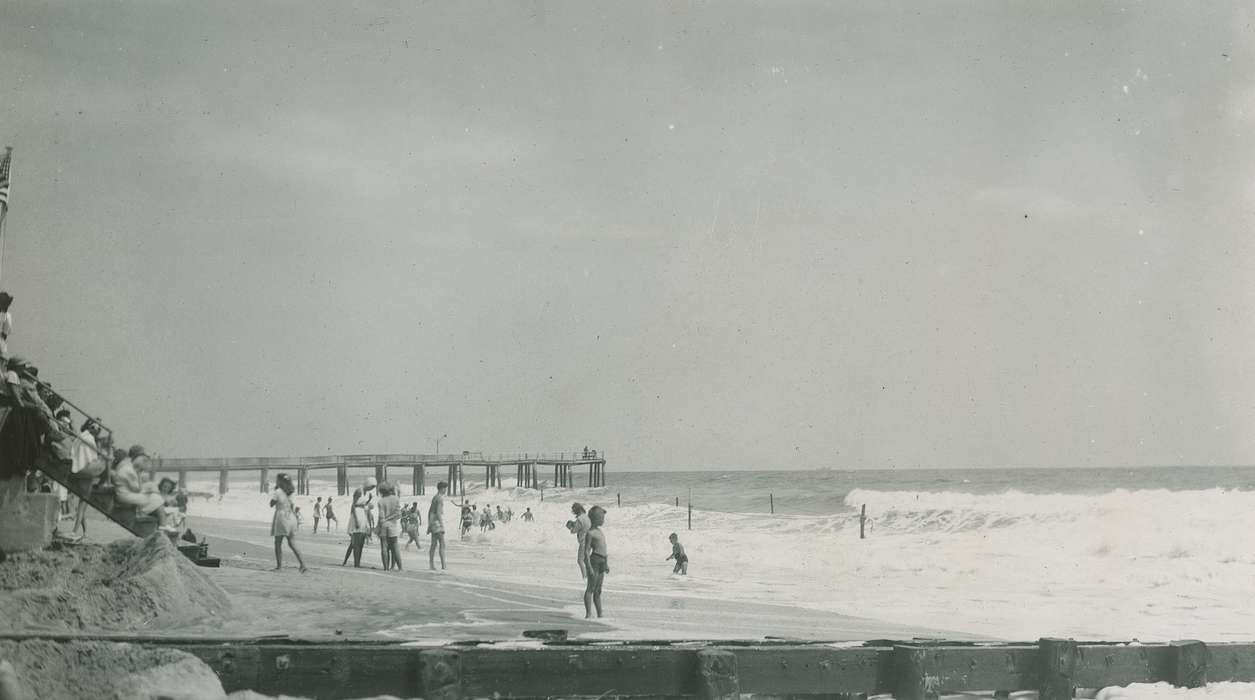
(582, 525)
(598, 561)
(317, 513)
(435, 525)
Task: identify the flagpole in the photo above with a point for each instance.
(4, 206)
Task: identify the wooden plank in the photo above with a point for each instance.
(806, 670)
(1100, 665)
(1058, 669)
(237, 665)
(557, 671)
(1189, 662)
(336, 671)
(1231, 662)
(910, 673)
(986, 668)
(716, 675)
(441, 672)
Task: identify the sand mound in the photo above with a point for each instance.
(47, 669)
(128, 585)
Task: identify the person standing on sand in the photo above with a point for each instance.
(598, 561)
(435, 525)
(331, 517)
(581, 528)
(283, 526)
(389, 526)
(317, 513)
(357, 531)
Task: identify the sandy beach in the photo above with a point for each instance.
(461, 603)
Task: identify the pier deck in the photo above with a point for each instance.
(528, 468)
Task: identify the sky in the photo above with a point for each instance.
(723, 235)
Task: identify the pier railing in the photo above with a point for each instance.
(910, 670)
(528, 468)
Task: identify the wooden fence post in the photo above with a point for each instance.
(1189, 663)
(716, 675)
(441, 671)
(1058, 668)
(910, 665)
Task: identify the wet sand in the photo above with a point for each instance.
(462, 603)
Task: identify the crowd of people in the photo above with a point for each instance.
(37, 423)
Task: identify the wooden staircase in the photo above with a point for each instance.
(97, 496)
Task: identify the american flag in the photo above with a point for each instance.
(4, 178)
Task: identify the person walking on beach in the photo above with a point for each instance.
(435, 525)
(468, 519)
(389, 526)
(283, 526)
(412, 523)
(677, 553)
(582, 525)
(370, 501)
(357, 531)
(331, 517)
(317, 513)
(598, 561)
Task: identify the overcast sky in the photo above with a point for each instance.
(857, 234)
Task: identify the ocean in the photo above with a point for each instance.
(1151, 554)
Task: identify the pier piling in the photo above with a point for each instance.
(862, 523)
(264, 482)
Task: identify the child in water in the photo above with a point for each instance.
(677, 553)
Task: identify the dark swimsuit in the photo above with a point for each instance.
(599, 563)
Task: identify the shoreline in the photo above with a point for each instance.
(465, 602)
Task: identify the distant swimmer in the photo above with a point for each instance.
(598, 560)
(582, 525)
(677, 553)
(435, 525)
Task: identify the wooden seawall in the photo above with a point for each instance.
(910, 670)
(528, 468)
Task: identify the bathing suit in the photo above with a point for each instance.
(599, 563)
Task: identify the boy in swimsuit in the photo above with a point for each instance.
(677, 553)
(598, 561)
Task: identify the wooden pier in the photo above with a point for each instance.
(529, 469)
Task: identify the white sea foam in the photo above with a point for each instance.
(1146, 564)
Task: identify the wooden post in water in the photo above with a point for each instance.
(862, 522)
(342, 479)
(264, 482)
(618, 499)
(222, 482)
(182, 478)
(461, 481)
(772, 499)
(380, 475)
